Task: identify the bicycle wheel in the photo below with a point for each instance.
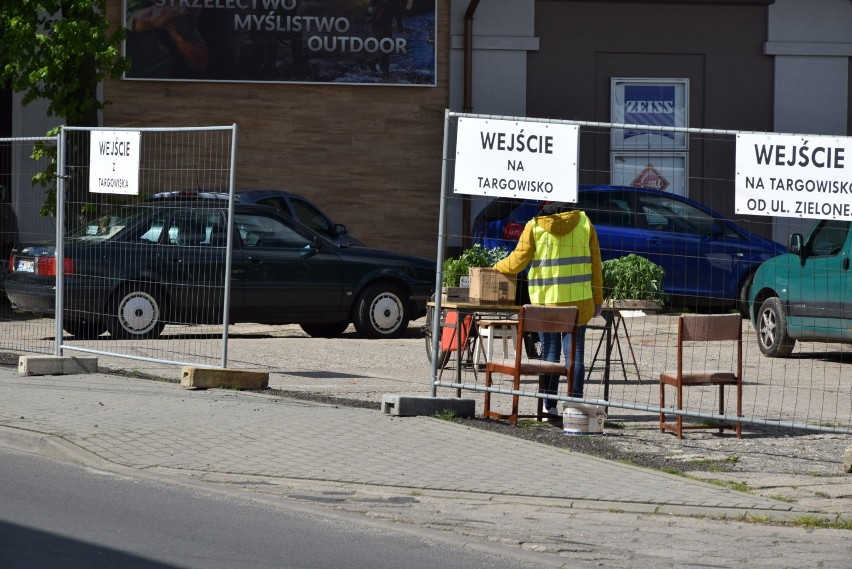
(428, 335)
(532, 344)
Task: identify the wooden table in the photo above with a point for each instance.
(613, 320)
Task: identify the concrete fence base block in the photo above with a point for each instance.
(414, 405)
(211, 378)
(57, 365)
(847, 460)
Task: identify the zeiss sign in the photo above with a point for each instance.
(649, 104)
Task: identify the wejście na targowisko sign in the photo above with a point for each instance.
(518, 159)
(794, 176)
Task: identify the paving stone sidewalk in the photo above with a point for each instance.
(144, 424)
(554, 507)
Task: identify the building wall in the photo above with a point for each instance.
(586, 43)
(768, 65)
(811, 43)
(27, 199)
(503, 35)
(369, 155)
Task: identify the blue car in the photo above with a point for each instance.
(709, 260)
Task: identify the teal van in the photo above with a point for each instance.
(805, 294)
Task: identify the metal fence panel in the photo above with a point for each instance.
(809, 389)
(20, 203)
(156, 291)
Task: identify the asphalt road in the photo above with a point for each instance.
(55, 515)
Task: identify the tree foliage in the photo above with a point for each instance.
(59, 50)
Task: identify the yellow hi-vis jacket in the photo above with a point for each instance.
(561, 270)
(565, 262)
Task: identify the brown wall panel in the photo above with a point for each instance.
(369, 155)
(717, 46)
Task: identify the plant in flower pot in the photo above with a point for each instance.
(633, 283)
(455, 271)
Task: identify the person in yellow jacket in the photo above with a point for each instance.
(561, 248)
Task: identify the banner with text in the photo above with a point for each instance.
(506, 158)
(794, 176)
(291, 41)
(114, 162)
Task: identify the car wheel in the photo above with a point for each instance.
(742, 297)
(137, 312)
(381, 311)
(772, 329)
(325, 329)
(83, 329)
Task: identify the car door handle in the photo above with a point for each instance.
(256, 261)
(653, 240)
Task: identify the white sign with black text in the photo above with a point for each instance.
(794, 176)
(506, 158)
(114, 162)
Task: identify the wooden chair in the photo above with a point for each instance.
(533, 318)
(704, 328)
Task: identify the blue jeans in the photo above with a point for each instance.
(553, 345)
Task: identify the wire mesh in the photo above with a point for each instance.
(21, 202)
(709, 257)
(143, 275)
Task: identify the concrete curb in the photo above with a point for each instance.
(415, 405)
(212, 378)
(57, 365)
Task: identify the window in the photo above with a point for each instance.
(607, 208)
(311, 216)
(262, 231)
(666, 214)
(829, 237)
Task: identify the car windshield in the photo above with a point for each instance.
(102, 228)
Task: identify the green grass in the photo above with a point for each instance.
(738, 486)
(782, 498)
(446, 415)
(815, 522)
(809, 522)
(715, 465)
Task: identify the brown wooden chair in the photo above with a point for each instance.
(532, 318)
(704, 328)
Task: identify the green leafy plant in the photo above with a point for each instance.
(476, 256)
(633, 278)
(446, 415)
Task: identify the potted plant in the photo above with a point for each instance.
(633, 282)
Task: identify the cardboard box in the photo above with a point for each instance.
(455, 294)
(488, 286)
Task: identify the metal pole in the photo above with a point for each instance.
(229, 251)
(59, 251)
(439, 275)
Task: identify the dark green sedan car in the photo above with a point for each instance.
(141, 267)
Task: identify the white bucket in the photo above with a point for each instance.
(583, 420)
